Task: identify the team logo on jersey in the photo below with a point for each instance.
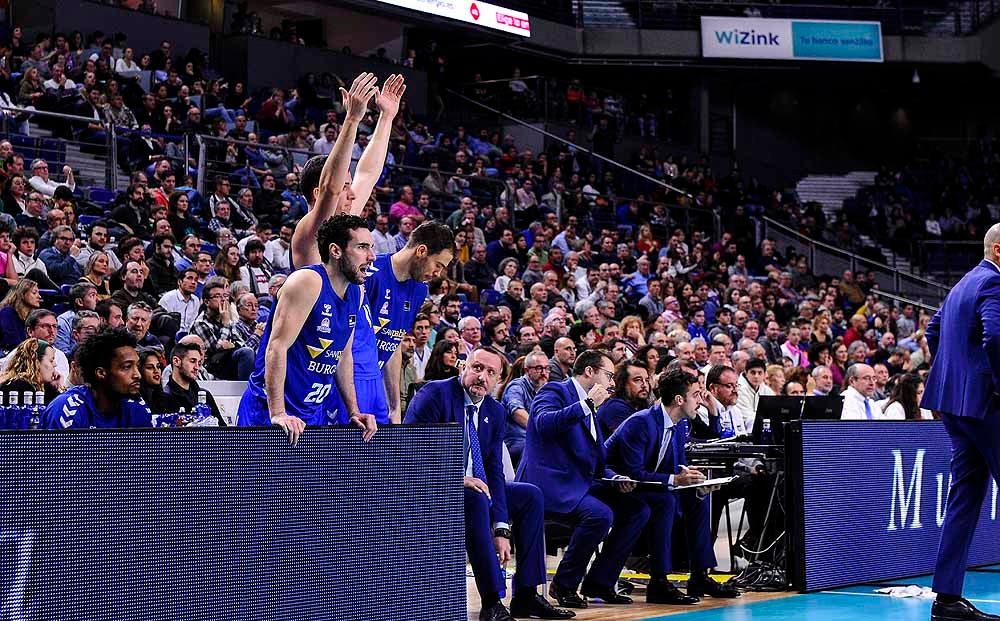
(387, 292)
(406, 306)
(383, 322)
(324, 326)
(351, 320)
(385, 308)
(314, 352)
(327, 310)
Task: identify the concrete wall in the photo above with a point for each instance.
(144, 31)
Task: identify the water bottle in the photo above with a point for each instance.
(27, 409)
(3, 410)
(36, 417)
(204, 418)
(13, 410)
(766, 436)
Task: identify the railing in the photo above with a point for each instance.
(826, 259)
(951, 259)
(663, 15)
(899, 301)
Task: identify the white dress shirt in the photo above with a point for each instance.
(467, 401)
(421, 356)
(384, 243)
(854, 407)
(174, 302)
(586, 406)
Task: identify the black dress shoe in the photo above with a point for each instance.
(625, 587)
(605, 594)
(702, 585)
(537, 607)
(664, 592)
(496, 612)
(566, 598)
(962, 610)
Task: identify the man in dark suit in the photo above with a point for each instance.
(649, 446)
(564, 456)
(466, 400)
(964, 339)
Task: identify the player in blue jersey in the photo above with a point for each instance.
(307, 341)
(110, 397)
(394, 291)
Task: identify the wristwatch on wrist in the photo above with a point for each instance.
(502, 532)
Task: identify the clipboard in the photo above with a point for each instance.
(706, 483)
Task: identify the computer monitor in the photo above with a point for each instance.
(778, 410)
(823, 408)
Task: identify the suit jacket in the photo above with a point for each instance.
(964, 339)
(560, 456)
(635, 446)
(443, 401)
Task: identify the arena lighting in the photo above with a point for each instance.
(472, 12)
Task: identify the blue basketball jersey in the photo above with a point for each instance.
(394, 306)
(312, 358)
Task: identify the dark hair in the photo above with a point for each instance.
(451, 297)
(184, 272)
(98, 350)
(642, 354)
(815, 350)
(436, 369)
(590, 358)
(253, 244)
(715, 374)
(310, 175)
(622, 374)
(23, 232)
(337, 230)
(78, 292)
(159, 239)
(31, 322)
(756, 363)
(435, 235)
(104, 309)
(904, 392)
(172, 201)
(182, 349)
(674, 383)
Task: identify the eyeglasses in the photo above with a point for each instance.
(539, 367)
(608, 374)
(221, 296)
(69, 239)
(728, 386)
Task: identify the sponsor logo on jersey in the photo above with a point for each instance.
(387, 294)
(324, 326)
(351, 320)
(385, 308)
(327, 310)
(383, 322)
(314, 352)
(406, 306)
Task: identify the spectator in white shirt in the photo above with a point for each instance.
(183, 300)
(751, 387)
(904, 400)
(324, 145)
(858, 401)
(384, 242)
(40, 178)
(276, 250)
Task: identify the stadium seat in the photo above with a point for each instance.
(64, 289)
(491, 297)
(472, 309)
(102, 196)
(86, 221)
(209, 248)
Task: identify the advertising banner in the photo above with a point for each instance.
(472, 12)
(791, 39)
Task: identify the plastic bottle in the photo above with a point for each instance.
(13, 410)
(27, 410)
(36, 417)
(766, 435)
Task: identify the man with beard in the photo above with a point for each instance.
(517, 398)
(631, 395)
(450, 310)
(307, 341)
(497, 334)
(110, 395)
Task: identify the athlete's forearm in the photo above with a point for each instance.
(391, 378)
(334, 173)
(344, 378)
(274, 377)
(371, 163)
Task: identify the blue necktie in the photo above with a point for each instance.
(475, 453)
(868, 409)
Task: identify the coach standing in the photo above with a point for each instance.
(964, 339)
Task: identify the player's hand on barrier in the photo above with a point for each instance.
(293, 426)
(362, 90)
(367, 423)
(689, 476)
(477, 484)
(389, 97)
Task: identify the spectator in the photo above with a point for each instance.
(32, 368)
(97, 272)
(82, 296)
(227, 357)
(133, 281)
(858, 392)
(42, 324)
(406, 226)
(31, 217)
(405, 207)
(151, 369)
(443, 363)
(40, 181)
(227, 263)
(904, 401)
(14, 310)
(138, 317)
(183, 300)
(162, 273)
(182, 389)
(256, 273)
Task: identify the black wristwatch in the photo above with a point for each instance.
(501, 532)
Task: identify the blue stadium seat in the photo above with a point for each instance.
(86, 221)
(180, 334)
(64, 289)
(472, 309)
(490, 297)
(102, 196)
(212, 249)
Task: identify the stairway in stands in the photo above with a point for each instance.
(965, 16)
(831, 191)
(606, 14)
(88, 168)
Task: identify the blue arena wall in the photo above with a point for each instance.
(220, 524)
(873, 498)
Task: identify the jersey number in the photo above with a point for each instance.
(318, 393)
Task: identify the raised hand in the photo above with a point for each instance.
(362, 90)
(389, 97)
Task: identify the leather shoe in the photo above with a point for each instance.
(605, 594)
(496, 612)
(962, 610)
(565, 597)
(537, 607)
(701, 585)
(625, 587)
(664, 592)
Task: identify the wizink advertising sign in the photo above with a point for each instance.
(791, 39)
(874, 500)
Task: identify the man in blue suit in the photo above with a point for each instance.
(564, 456)
(649, 446)
(466, 400)
(964, 339)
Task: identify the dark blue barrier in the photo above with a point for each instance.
(869, 502)
(231, 524)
